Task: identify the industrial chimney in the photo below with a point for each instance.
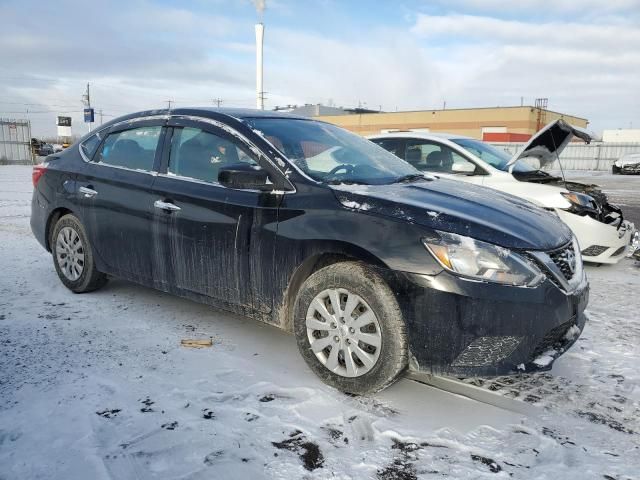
(259, 88)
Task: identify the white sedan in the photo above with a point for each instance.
(599, 226)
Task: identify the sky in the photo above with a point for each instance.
(402, 55)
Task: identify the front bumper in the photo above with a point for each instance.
(468, 328)
(599, 242)
(631, 169)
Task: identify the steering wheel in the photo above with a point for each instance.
(346, 167)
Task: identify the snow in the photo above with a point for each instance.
(355, 205)
(98, 386)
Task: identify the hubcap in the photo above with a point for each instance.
(70, 253)
(343, 332)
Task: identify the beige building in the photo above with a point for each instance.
(498, 124)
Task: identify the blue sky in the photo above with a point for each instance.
(409, 54)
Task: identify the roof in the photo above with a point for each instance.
(239, 113)
(414, 134)
(531, 107)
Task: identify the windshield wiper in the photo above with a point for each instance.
(410, 178)
(345, 182)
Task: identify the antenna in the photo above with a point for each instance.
(259, 61)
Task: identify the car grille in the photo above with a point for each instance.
(619, 251)
(565, 260)
(554, 338)
(594, 250)
(485, 351)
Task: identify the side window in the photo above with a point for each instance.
(392, 145)
(90, 145)
(199, 154)
(437, 158)
(135, 148)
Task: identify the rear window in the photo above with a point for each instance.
(89, 146)
(134, 149)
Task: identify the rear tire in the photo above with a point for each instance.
(73, 256)
(366, 330)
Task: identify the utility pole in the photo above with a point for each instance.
(217, 101)
(86, 99)
(169, 104)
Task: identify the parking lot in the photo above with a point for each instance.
(98, 386)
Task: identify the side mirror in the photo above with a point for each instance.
(464, 167)
(242, 176)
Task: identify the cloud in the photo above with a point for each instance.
(601, 37)
(542, 7)
(585, 69)
(140, 54)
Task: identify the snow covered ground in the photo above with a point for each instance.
(97, 386)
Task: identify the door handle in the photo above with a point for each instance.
(87, 192)
(168, 206)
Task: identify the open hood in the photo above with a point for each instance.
(547, 144)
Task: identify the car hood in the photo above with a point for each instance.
(547, 144)
(462, 208)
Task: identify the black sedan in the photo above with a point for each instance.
(373, 265)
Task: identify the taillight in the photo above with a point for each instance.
(38, 172)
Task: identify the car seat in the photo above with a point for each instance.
(201, 157)
(435, 160)
(414, 156)
(127, 153)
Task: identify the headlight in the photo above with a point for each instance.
(579, 199)
(482, 261)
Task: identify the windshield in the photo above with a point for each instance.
(331, 154)
(495, 157)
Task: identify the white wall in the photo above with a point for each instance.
(621, 135)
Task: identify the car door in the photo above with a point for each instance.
(440, 159)
(114, 191)
(213, 239)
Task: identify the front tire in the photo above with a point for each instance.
(73, 256)
(350, 329)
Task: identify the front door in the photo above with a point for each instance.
(214, 238)
(114, 190)
(439, 159)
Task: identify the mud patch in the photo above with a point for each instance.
(147, 402)
(335, 434)
(308, 452)
(600, 419)
(211, 458)
(169, 426)
(208, 414)
(403, 465)
(109, 413)
(489, 462)
(251, 417)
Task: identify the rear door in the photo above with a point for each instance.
(114, 190)
(213, 239)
